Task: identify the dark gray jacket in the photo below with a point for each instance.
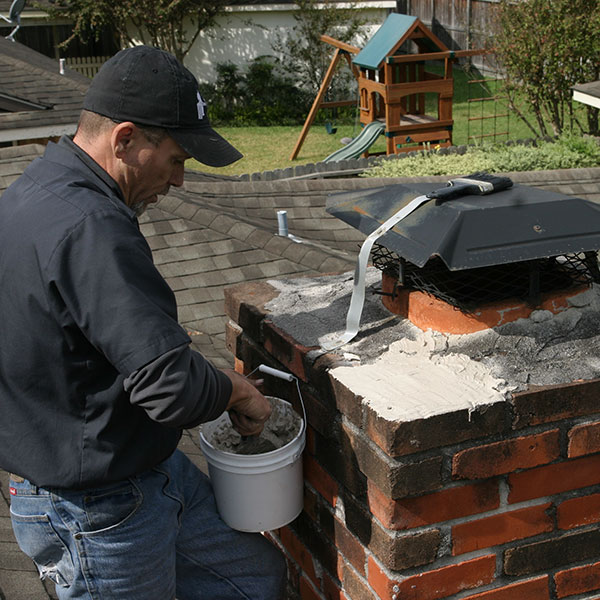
(96, 375)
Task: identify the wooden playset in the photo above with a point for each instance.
(393, 84)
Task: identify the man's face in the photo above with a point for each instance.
(149, 170)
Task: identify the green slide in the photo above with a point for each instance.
(359, 144)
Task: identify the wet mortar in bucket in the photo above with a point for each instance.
(280, 429)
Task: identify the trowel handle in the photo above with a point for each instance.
(276, 373)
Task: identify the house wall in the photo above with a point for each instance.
(496, 503)
(247, 32)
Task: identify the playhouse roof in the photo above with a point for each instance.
(394, 31)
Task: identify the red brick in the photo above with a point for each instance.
(579, 511)
(320, 411)
(396, 478)
(320, 479)
(548, 403)
(499, 529)
(285, 349)
(347, 402)
(417, 435)
(310, 441)
(431, 585)
(311, 503)
(551, 553)
(452, 503)
(355, 586)
(506, 456)
(332, 588)
(584, 439)
(400, 552)
(299, 552)
(532, 589)
(239, 366)
(349, 547)
(245, 305)
(554, 479)
(578, 580)
(340, 567)
(307, 591)
(427, 312)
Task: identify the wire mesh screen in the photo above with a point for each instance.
(470, 288)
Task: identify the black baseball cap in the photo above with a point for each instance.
(149, 86)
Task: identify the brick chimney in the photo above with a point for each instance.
(487, 488)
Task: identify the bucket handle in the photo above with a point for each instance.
(287, 377)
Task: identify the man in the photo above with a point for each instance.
(97, 378)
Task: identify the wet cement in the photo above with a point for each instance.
(280, 429)
(409, 373)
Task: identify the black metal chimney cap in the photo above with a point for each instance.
(518, 224)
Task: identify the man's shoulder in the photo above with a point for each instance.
(66, 188)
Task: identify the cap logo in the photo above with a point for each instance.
(200, 106)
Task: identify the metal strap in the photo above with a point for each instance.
(357, 300)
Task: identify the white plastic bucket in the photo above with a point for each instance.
(256, 492)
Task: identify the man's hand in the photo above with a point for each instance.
(248, 408)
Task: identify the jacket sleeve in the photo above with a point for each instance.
(179, 389)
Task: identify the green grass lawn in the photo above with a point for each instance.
(269, 148)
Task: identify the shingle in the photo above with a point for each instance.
(227, 246)
(214, 325)
(295, 252)
(191, 267)
(252, 272)
(278, 245)
(204, 312)
(213, 278)
(277, 268)
(223, 223)
(314, 259)
(194, 237)
(259, 238)
(193, 296)
(241, 230)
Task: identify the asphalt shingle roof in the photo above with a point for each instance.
(29, 75)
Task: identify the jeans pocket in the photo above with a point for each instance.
(109, 507)
(38, 539)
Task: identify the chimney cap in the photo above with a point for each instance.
(518, 224)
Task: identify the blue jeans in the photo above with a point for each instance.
(153, 537)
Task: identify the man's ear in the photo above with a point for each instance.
(122, 137)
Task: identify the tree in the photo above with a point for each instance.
(161, 23)
(546, 47)
(302, 52)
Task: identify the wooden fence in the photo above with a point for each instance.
(460, 24)
(86, 65)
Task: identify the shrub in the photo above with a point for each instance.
(566, 152)
(260, 95)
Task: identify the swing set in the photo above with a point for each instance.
(393, 83)
(342, 50)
